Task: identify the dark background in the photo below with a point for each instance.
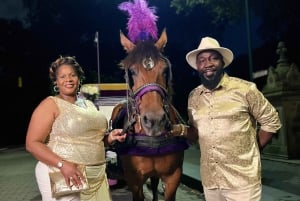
(42, 30)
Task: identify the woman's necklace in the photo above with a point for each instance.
(80, 102)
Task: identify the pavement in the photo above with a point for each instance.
(17, 181)
(281, 178)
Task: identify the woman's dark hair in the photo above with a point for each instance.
(65, 60)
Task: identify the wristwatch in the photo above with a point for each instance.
(60, 164)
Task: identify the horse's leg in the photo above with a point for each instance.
(136, 190)
(135, 185)
(154, 186)
(171, 184)
(134, 178)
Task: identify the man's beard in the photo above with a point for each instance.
(212, 79)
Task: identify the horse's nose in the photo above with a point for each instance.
(154, 123)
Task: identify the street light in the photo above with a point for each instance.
(249, 40)
(96, 40)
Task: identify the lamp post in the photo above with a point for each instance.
(96, 40)
(249, 40)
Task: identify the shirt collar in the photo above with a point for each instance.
(223, 83)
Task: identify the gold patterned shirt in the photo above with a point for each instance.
(77, 133)
(226, 118)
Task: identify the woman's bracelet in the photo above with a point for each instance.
(109, 136)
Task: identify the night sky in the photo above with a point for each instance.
(34, 34)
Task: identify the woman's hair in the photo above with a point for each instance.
(65, 60)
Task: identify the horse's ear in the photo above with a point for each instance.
(162, 41)
(126, 43)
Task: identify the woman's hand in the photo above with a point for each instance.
(72, 175)
(116, 134)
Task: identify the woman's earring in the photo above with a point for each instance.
(55, 89)
(79, 87)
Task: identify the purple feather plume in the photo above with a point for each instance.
(142, 20)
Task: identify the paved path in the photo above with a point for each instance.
(17, 180)
(281, 179)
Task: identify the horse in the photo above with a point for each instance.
(147, 116)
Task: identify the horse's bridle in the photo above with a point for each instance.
(134, 97)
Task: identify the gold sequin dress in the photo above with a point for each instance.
(77, 135)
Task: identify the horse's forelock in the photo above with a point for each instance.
(144, 49)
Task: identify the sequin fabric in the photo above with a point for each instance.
(227, 119)
(77, 133)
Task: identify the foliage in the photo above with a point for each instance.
(222, 11)
(280, 20)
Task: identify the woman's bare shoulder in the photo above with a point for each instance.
(47, 105)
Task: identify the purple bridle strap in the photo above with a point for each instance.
(150, 87)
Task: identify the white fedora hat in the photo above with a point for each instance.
(208, 43)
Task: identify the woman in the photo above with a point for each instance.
(65, 131)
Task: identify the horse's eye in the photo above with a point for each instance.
(166, 73)
(132, 72)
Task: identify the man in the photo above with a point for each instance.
(226, 112)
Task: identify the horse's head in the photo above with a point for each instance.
(149, 77)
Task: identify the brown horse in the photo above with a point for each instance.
(147, 117)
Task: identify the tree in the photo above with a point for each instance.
(278, 17)
(227, 11)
